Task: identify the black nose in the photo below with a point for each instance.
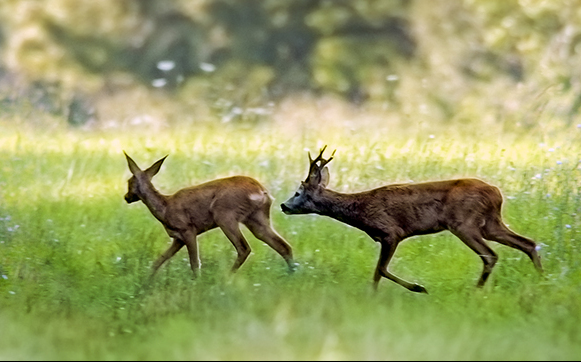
(284, 208)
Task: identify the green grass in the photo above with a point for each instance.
(74, 257)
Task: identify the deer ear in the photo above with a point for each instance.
(324, 177)
(154, 169)
(132, 165)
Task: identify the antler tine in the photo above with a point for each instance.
(313, 167)
(320, 156)
(324, 162)
(312, 162)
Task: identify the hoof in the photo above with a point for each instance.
(293, 267)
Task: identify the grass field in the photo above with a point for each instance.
(74, 257)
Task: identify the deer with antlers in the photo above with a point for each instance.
(469, 208)
(223, 203)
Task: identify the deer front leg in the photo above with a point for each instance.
(387, 250)
(176, 245)
(190, 239)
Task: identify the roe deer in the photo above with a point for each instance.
(469, 208)
(222, 203)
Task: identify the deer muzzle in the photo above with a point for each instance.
(287, 210)
(131, 198)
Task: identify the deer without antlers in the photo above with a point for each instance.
(469, 208)
(222, 203)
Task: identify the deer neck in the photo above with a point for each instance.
(155, 201)
(339, 206)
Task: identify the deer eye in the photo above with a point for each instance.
(297, 194)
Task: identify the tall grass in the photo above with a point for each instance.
(74, 257)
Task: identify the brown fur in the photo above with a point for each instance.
(223, 203)
(469, 208)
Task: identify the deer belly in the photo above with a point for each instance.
(172, 233)
(426, 231)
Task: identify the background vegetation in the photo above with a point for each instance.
(404, 90)
(74, 257)
(445, 62)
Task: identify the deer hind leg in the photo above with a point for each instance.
(175, 246)
(259, 224)
(499, 232)
(386, 253)
(232, 231)
(474, 241)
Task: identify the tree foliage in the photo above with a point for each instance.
(447, 54)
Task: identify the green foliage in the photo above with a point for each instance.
(457, 62)
(74, 258)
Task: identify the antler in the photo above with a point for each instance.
(313, 163)
(313, 167)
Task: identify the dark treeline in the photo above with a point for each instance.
(362, 51)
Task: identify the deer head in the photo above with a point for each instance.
(302, 202)
(140, 180)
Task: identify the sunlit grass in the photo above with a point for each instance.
(74, 256)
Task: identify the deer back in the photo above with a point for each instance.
(201, 206)
(422, 208)
(399, 209)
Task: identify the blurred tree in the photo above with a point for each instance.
(1, 38)
(157, 39)
(285, 36)
(80, 111)
(162, 50)
(433, 57)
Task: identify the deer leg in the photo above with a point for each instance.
(259, 225)
(190, 239)
(501, 233)
(386, 253)
(232, 232)
(475, 242)
(175, 246)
